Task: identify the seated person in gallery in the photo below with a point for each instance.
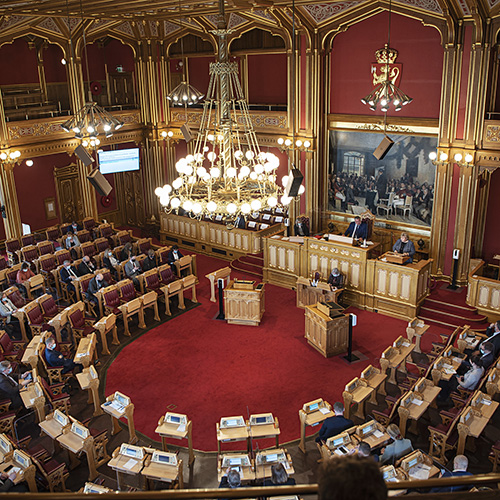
(400, 447)
(11, 383)
(86, 266)
(279, 477)
(74, 228)
(23, 275)
(240, 222)
(334, 425)
(365, 450)
(469, 380)
(493, 332)
(55, 358)
(150, 261)
(127, 252)
(485, 354)
(336, 279)
(68, 274)
(95, 284)
(460, 465)
(7, 483)
(110, 262)
(173, 255)
(405, 247)
(132, 270)
(7, 309)
(357, 229)
(316, 279)
(71, 242)
(230, 479)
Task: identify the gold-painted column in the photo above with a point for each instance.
(8, 198)
(483, 192)
(41, 70)
(87, 191)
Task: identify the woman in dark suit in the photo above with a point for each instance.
(279, 476)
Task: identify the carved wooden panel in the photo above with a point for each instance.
(68, 193)
(133, 198)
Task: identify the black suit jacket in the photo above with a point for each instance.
(83, 269)
(333, 426)
(170, 256)
(362, 231)
(148, 263)
(494, 339)
(65, 276)
(107, 263)
(10, 390)
(487, 360)
(94, 286)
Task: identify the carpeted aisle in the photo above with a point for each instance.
(207, 369)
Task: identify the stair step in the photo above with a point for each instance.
(434, 310)
(444, 324)
(453, 307)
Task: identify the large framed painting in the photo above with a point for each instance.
(398, 187)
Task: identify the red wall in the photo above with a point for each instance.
(34, 184)
(450, 235)
(420, 53)
(267, 79)
(18, 63)
(491, 243)
(113, 54)
(198, 72)
(55, 71)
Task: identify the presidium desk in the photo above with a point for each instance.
(370, 283)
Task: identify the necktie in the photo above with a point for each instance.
(355, 229)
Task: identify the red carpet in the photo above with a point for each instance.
(207, 369)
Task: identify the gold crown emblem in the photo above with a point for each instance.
(386, 55)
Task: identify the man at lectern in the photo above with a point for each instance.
(357, 229)
(405, 246)
(336, 279)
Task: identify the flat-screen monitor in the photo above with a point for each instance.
(120, 160)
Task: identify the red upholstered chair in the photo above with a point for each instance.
(152, 281)
(10, 349)
(55, 395)
(49, 306)
(54, 373)
(163, 255)
(101, 244)
(62, 255)
(88, 249)
(27, 239)
(11, 274)
(123, 237)
(82, 285)
(80, 326)
(89, 224)
(13, 246)
(127, 290)
(29, 253)
(51, 474)
(143, 245)
(84, 236)
(64, 228)
(166, 274)
(35, 318)
(53, 233)
(111, 300)
(15, 297)
(45, 247)
(3, 263)
(47, 264)
(105, 231)
(106, 274)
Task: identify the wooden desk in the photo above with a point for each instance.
(85, 353)
(263, 470)
(59, 321)
(33, 399)
(125, 465)
(375, 438)
(128, 413)
(308, 295)
(312, 419)
(88, 382)
(247, 472)
(34, 283)
(51, 427)
(415, 329)
(228, 435)
(76, 445)
(171, 430)
(398, 357)
(103, 326)
(25, 474)
(412, 407)
(357, 395)
(243, 306)
(30, 355)
(163, 472)
(375, 379)
(328, 336)
(418, 472)
(264, 431)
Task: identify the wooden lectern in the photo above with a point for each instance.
(308, 295)
(244, 302)
(394, 258)
(224, 273)
(328, 335)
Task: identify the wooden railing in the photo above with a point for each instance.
(483, 292)
(480, 480)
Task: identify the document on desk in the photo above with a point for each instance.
(378, 434)
(417, 402)
(420, 472)
(181, 428)
(130, 464)
(117, 406)
(324, 411)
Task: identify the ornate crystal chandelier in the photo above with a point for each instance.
(227, 174)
